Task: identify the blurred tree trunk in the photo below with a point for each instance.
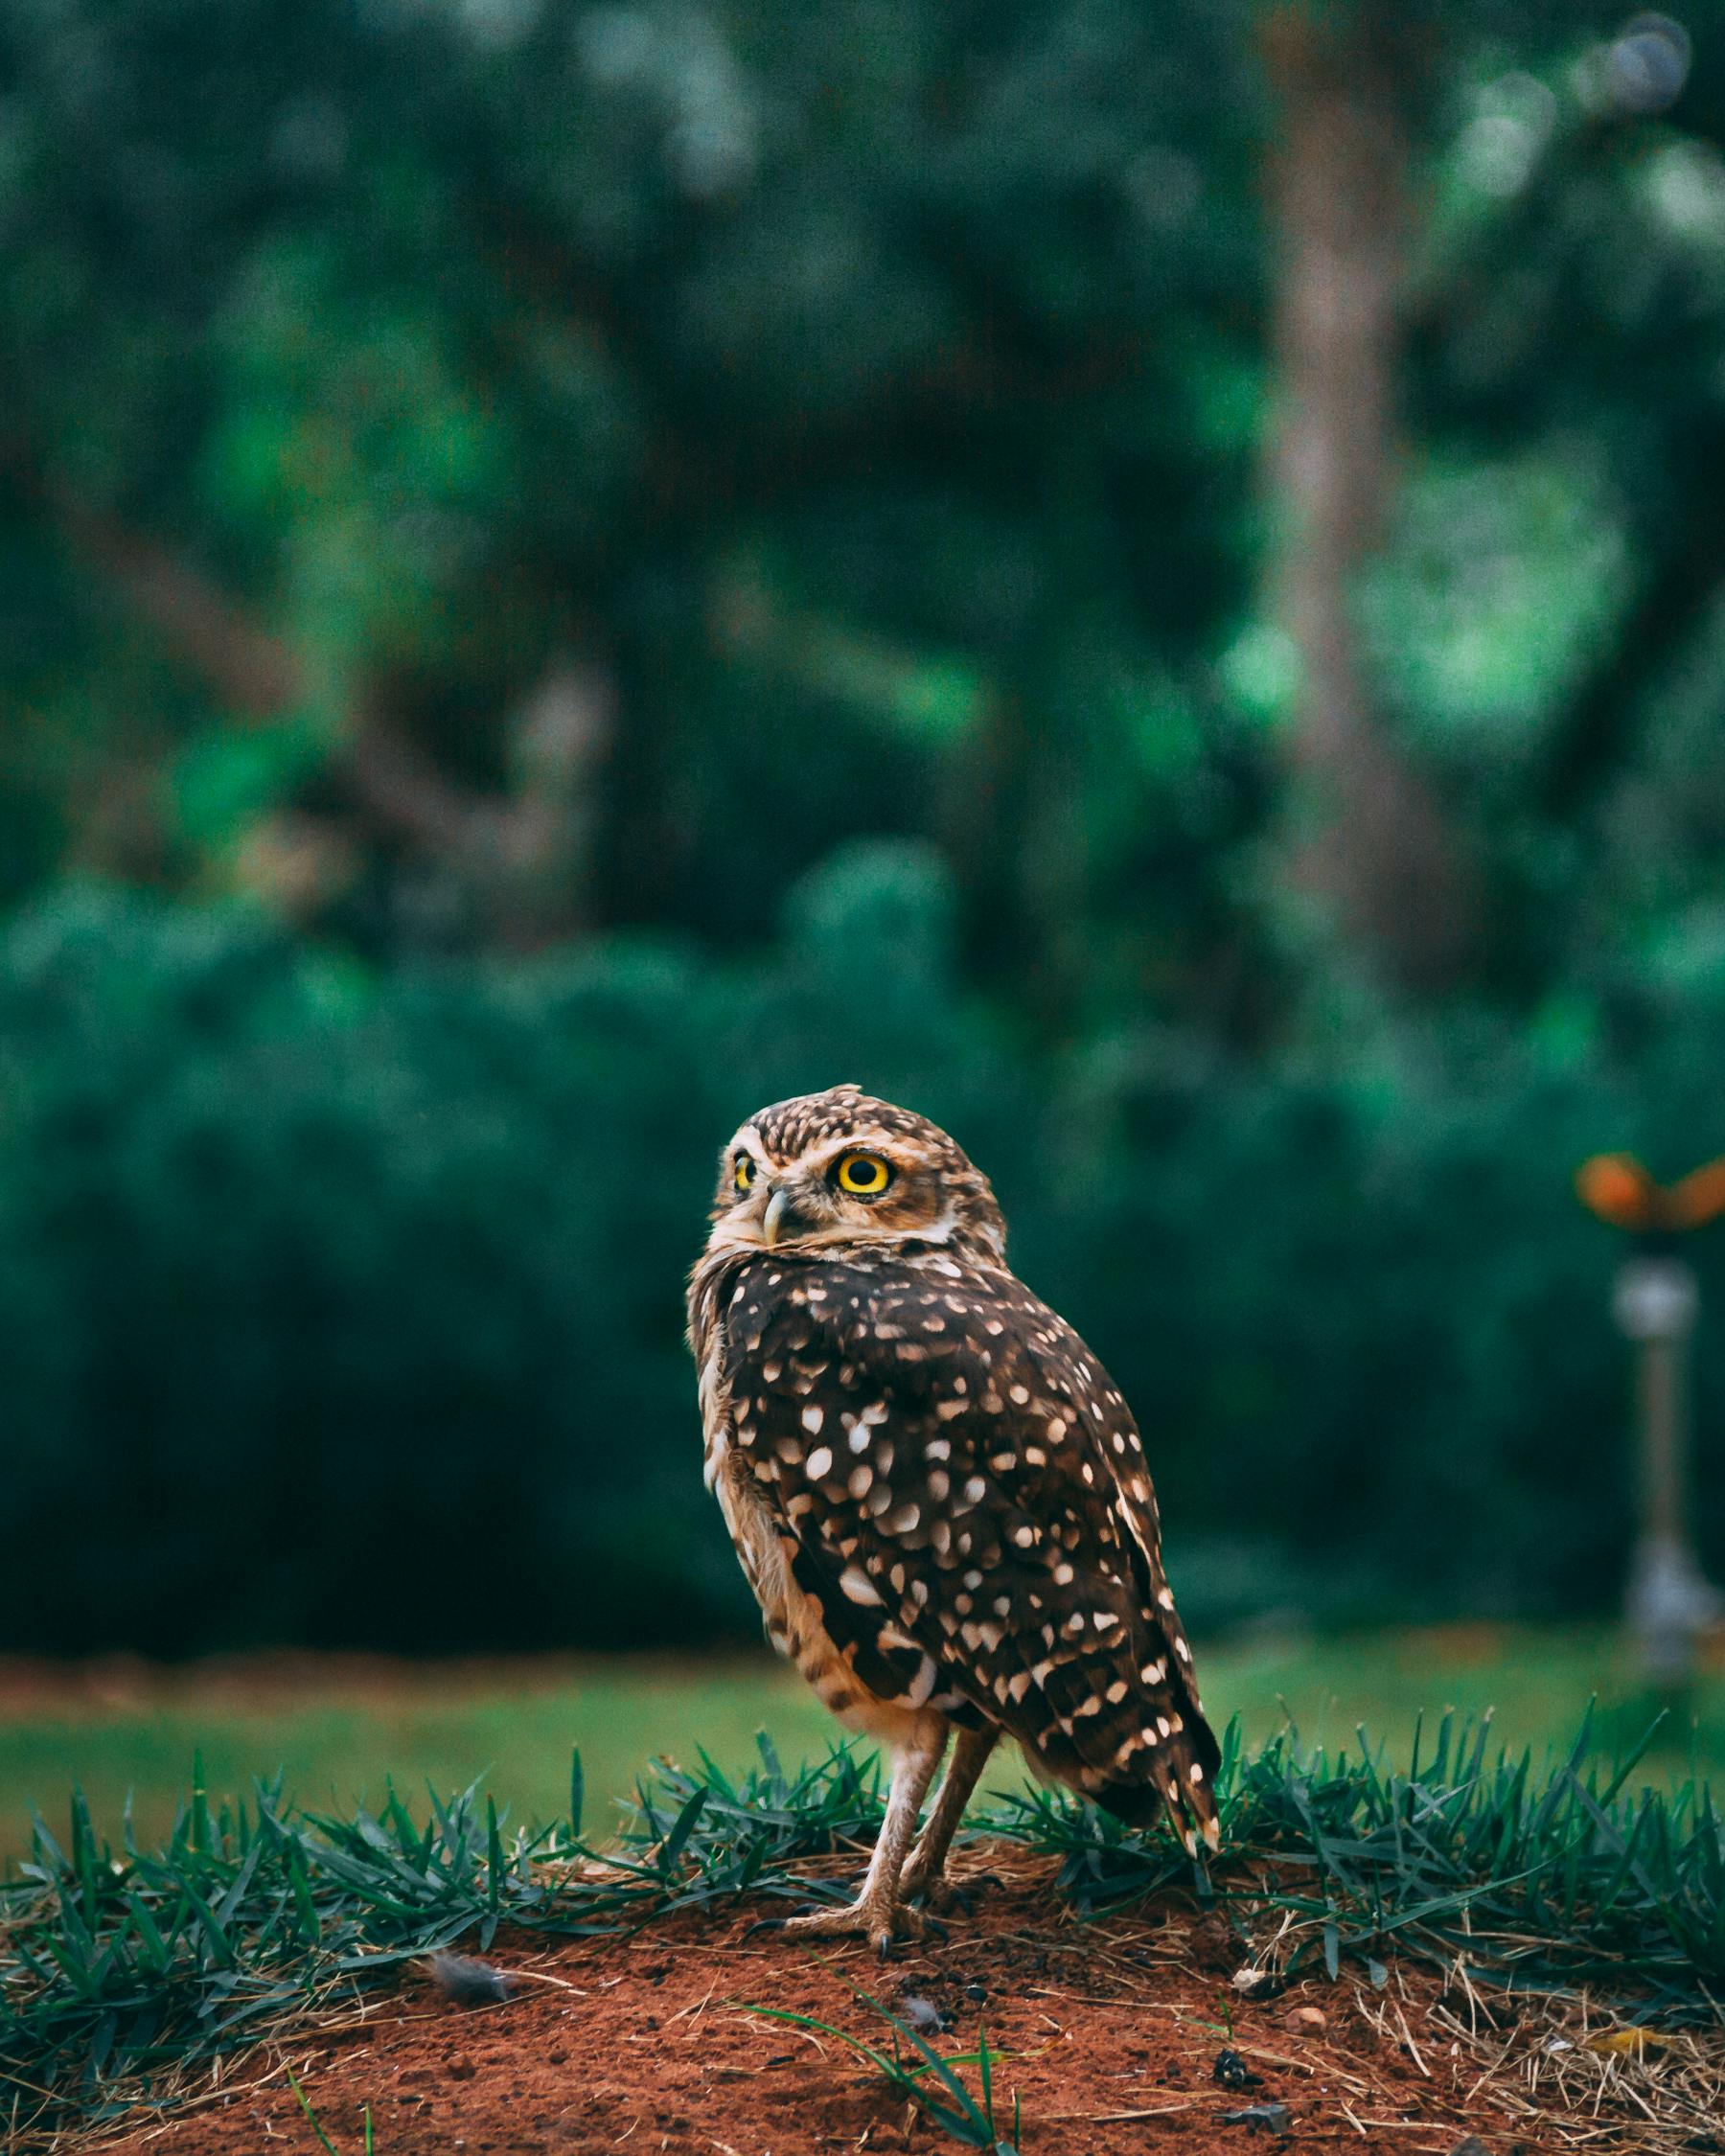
(1372, 848)
(512, 867)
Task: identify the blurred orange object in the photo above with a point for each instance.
(1617, 1187)
(1700, 1197)
(1620, 1190)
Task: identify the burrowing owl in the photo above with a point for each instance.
(940, 1500)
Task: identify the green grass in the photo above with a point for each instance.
(118, 1969)
(514, 1726)
(337, 1745)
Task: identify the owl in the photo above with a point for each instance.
(940, 1500)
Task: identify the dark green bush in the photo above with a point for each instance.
(343, 1308)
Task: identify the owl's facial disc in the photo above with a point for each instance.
(823, 1170)
(866, 1186)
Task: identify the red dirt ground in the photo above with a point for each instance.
(1111, 2032)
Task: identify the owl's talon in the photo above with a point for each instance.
(766, 1924)
(939, 1894)
(948, 1897)
(881, 1924)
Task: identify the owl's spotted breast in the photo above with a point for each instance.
(952, 1481)
(793, 1615)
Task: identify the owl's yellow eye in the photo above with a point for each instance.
(864, 1174)
(743, 1175)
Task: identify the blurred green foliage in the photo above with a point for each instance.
(342, 1305)
(567, 569)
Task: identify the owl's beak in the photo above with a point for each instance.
(772, 1220)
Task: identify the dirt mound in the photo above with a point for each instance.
(1118, 2035)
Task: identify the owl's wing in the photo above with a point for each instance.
(964, 1493)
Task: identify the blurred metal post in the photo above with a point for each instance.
(1670, 1601)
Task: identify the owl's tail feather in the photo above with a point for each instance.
(1139, 1750)
(1179, 1782)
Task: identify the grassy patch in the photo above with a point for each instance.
(122, 1970)
(340, 1729)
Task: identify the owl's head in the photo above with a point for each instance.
(841, 1168)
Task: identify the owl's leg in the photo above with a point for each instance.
(878, 1912)
(925, 1874)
